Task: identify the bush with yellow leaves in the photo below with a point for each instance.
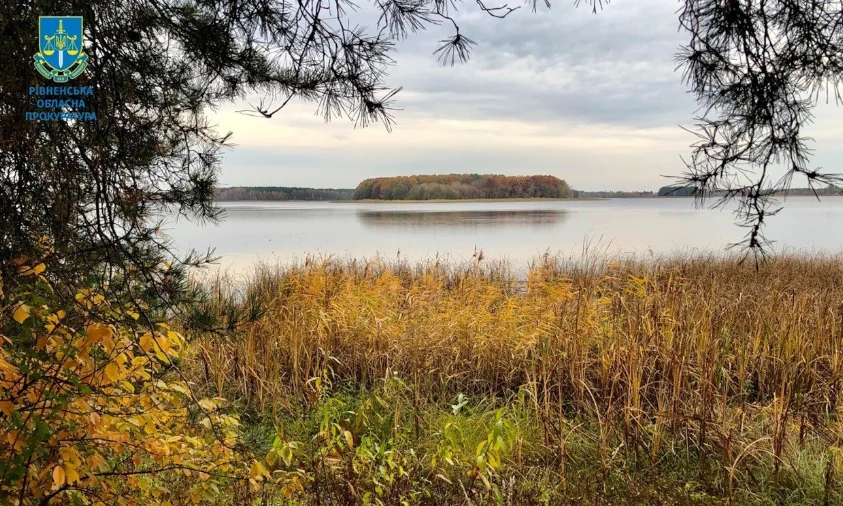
(94, 411)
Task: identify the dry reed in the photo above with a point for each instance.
(703, 352)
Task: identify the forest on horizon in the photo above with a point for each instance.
(240, 193)
(392, 186)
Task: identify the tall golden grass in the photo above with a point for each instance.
(703, 352)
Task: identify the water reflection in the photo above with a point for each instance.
(518, 231)
(533, 218)
(256, 213)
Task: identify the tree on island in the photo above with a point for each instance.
(462, 186)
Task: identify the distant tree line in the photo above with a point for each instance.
(689, 191)
(462, 186)
(613, 194)
(677, 191)
(823, 192)
(282, 193)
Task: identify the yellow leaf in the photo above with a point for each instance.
(58, 476)
(6, 407)
(14, 439)
(108, 343)
(98, 461)
(70, 473)
(146, 342)
(257, 470)
(164, 343)
(29, 271)
(175, 338)
(112, 370)
(99, 331)
(21, 313)
(68, 454)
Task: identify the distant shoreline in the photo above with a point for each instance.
(445, 201)
(535, 199)
(432, 201)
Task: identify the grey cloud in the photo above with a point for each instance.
(614, 67)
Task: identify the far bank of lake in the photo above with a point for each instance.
(457, 201)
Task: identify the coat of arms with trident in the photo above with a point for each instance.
(60, 42)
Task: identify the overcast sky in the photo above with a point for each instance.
(593, 99)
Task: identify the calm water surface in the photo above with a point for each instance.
(517, 231)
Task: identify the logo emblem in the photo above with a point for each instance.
(61, 56)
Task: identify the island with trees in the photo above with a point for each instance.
(462, 187)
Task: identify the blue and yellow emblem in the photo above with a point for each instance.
(61, 56)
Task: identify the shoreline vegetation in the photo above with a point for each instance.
(437, 192)
(281, 193)
(442, 201)
(677, 381)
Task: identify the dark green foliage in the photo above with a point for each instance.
(691, 191)
(101, 190)
(610, 194)
(282, 193)
(382, 445)
(462, 186)
(677, 191)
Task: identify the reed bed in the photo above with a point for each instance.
(698, 355)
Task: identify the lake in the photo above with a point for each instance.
(518, 231)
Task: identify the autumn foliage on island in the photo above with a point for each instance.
(462, 186)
